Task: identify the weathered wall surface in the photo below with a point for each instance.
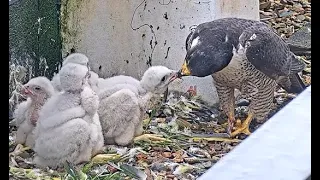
(34, 40)
(125, 37)
(34, 43)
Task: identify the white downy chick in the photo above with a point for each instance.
(77, 58)
(108, 91)
(68, 126)
(116, 83)
(113, 84)
(121, 113)
(38, 90)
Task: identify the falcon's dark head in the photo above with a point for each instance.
(206, 54)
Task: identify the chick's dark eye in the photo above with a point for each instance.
(37, 88)
(163, 79)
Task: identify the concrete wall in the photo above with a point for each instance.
(125, 37)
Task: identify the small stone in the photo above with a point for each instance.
(295, 14)
(288, 6)
(217, 147)
(307, 14)
(170, 176)
(279, 5)
(289, 22)
(300, 41)
(283, 30)
(243, 102)
(266, 13)
(284, 13)
(296, 6)
(301, 17)
(296, 25)
(290, 2)
(158, 167)
(308, 18)
(307, 10)
(308, 70)
(167, 154)
(280, 25)
(265, 5)
(167, 112)
(298, 21)
(283, 1)
(269, 23)
(264, 17)
(306, 6)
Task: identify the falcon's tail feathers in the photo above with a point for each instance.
(297, 85)
(297, 65)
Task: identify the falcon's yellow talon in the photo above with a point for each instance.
(238, 123)
(244, 127)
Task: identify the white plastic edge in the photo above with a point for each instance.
(279, 150)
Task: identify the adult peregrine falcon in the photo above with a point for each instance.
(246, 55)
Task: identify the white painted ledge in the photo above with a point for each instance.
(279, 150)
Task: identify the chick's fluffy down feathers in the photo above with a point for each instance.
(120, 82)
(25, 127)
(20, 112)
(81, 59)
(121, 112)
(108, 91)
(65, 142)
(69, 125)
(27, 112)
(121, 120)
(150, 82)
(77, 58)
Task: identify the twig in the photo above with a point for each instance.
(215, 139)
(265, 19)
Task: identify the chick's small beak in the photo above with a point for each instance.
(25, 90)
(185, 71)
(173, 76)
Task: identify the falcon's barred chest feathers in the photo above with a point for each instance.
(246, 55)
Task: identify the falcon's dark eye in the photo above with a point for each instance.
(37, 88)
(163, 79)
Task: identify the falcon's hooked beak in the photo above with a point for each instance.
(184, 71)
